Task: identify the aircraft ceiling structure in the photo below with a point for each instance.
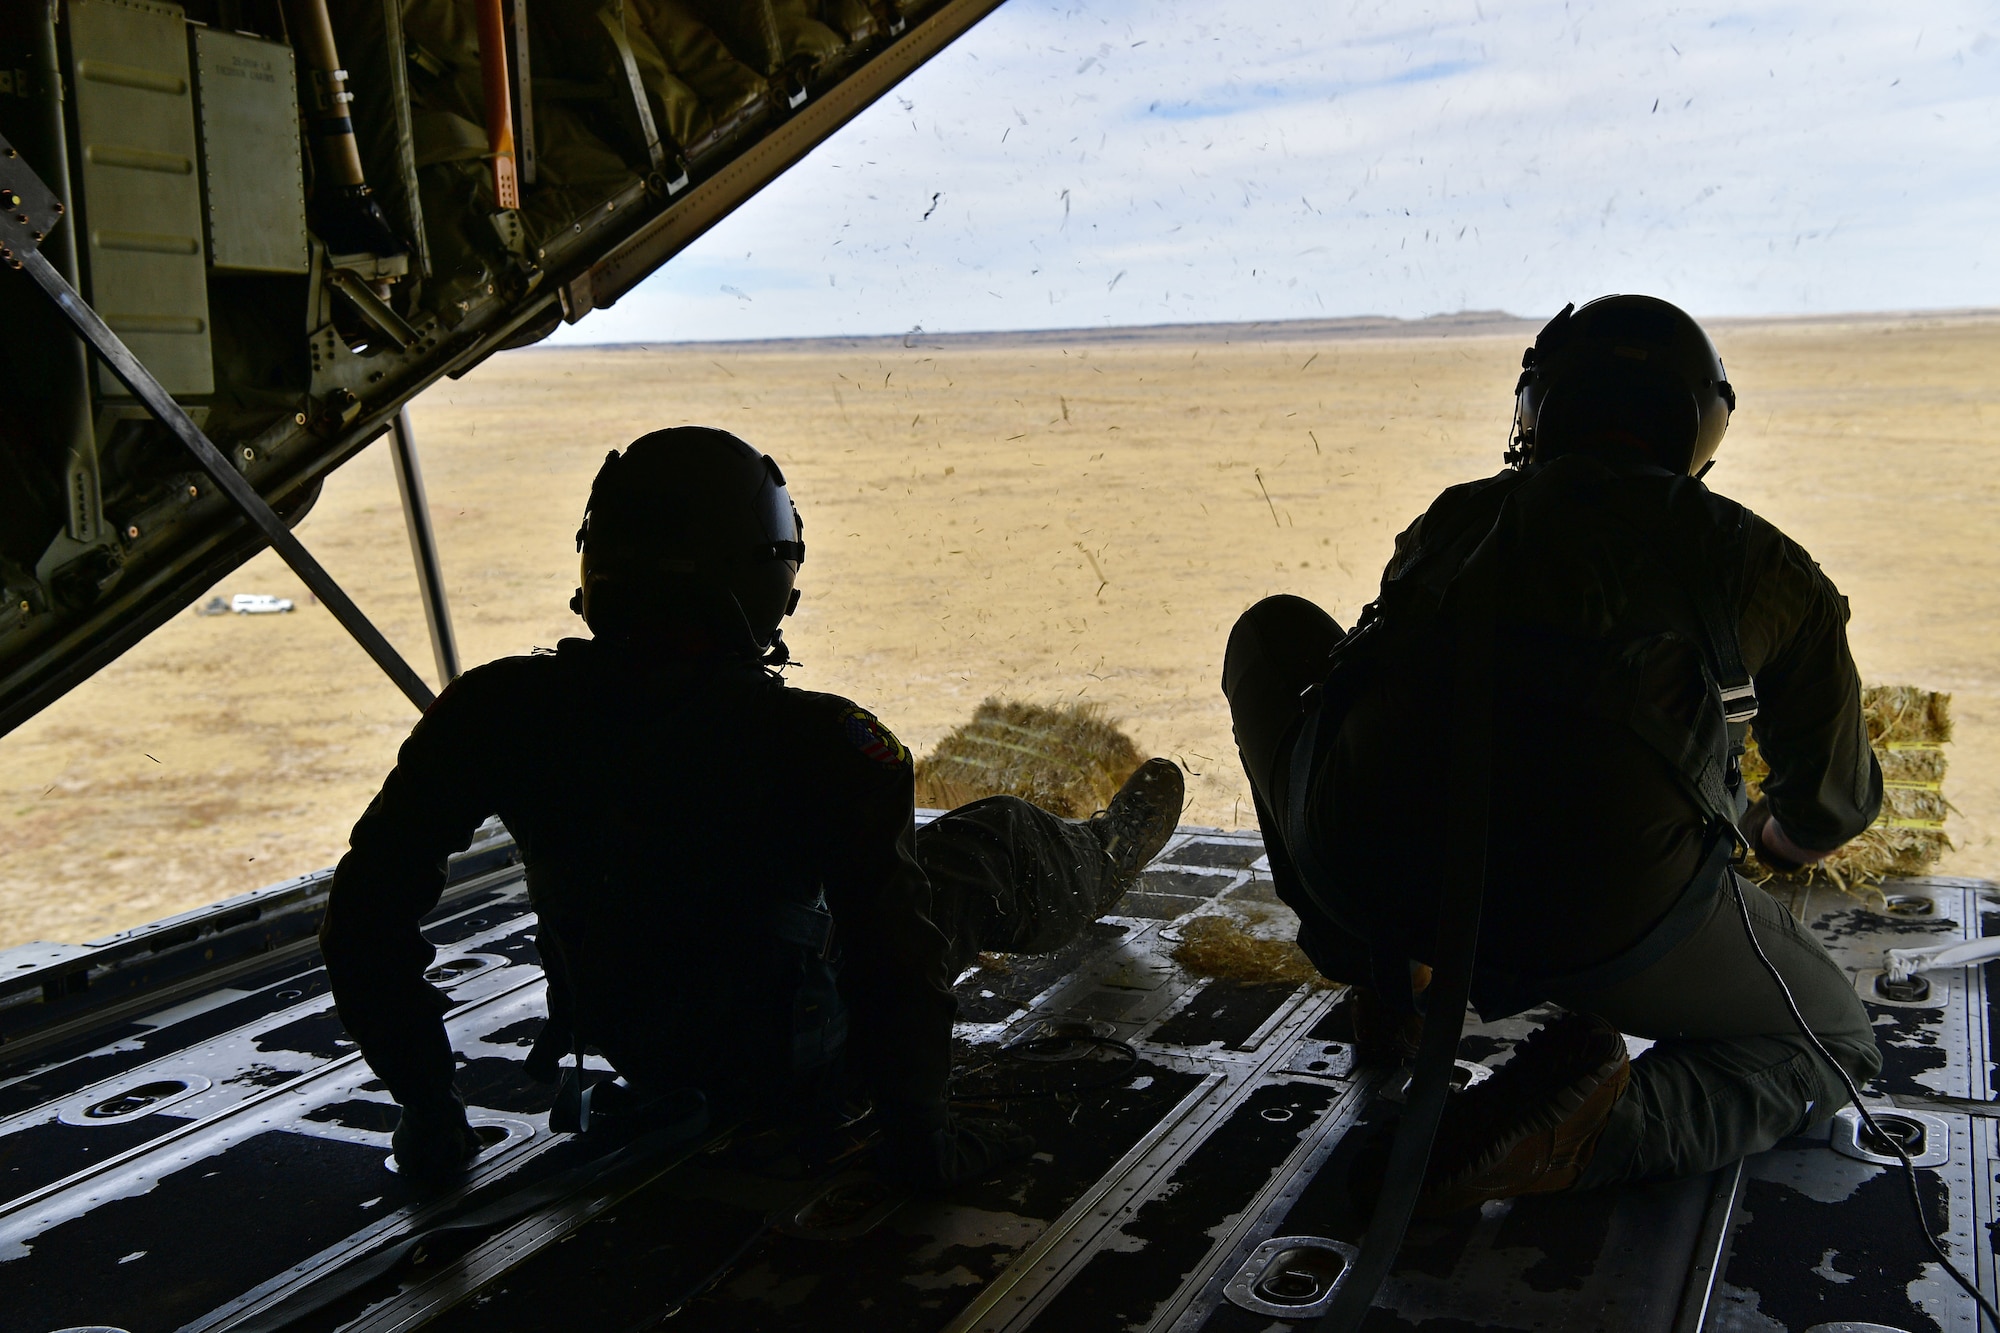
(297, 216)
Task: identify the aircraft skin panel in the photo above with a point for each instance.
(135, 117)
(1186, 1189)
(208, 242)
(256, 200)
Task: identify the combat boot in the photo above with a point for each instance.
(1533, 1126)
(1138, 822)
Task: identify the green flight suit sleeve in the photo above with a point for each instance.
(430, 806)
(1825, 786)
(892, 970)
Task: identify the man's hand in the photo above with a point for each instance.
(434, 1144)
(959, 1150)
(1769, 841)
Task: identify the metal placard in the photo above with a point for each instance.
(28, 211)
(252, 177)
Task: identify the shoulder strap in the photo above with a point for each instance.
(1468, 811)
(1711, 569)
(1708, 565)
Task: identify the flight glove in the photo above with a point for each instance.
(434, 1143)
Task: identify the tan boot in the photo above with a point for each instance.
(1532, 1127)
(1140, 820)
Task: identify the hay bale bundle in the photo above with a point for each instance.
(1069, 759)
(1908, 729)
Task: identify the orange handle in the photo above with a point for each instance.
(499, 103)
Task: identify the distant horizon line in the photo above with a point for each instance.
(1461, 324)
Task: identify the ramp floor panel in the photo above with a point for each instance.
(218, 1162)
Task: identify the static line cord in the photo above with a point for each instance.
(1854, 1094)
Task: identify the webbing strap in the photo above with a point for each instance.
(1707, 586)
(1303, 849)
(612, 19)
(1707, 763)
(1471, 794)
(1299, 842)
(810, 928)
(678, 1140)
(1672, 930)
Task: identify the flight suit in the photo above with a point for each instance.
(677, 817)
(1593, 842)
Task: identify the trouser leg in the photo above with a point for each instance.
(1009, 877)
(1277, 648)
(1731, 1074)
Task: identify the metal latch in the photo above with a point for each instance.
(1739, 702)
(1291, 1277)
(1925, 1138)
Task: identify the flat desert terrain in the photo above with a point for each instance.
(1048, 520)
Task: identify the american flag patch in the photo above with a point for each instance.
(873, 739)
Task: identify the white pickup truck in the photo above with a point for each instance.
(258, 604)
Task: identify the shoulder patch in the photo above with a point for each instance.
(866, 733)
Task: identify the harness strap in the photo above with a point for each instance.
(1711, 578)
(1471, 792)
(1299, 842)
(1388, 974)
(1680, 922)
(1708, 583)
(811, 928)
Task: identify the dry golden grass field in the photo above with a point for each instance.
(1046, 522)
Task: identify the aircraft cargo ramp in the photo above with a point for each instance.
(187, 1141)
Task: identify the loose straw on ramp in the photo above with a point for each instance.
(1216, 946)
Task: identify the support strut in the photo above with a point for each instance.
(134, 376)
(30, 213)
(423, 546)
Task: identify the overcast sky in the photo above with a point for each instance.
(1142, 161)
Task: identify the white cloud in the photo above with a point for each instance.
(1304, 160)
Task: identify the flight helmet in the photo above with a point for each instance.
(1633, 370)
(690, 525)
